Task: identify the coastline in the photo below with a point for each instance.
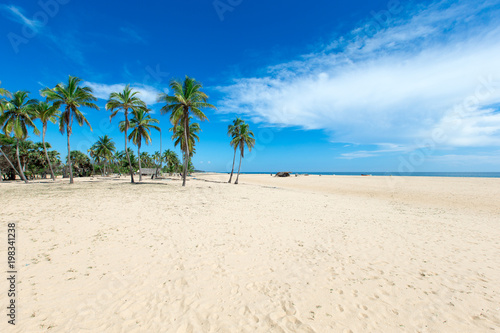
(300, 254)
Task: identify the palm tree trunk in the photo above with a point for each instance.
(186, 144)
(140, 164)
(70, 165)
(19, 162)
(232, 170)
(161, 159)
(11, 165)
(126, 150)
(238, 176)
(47, 154)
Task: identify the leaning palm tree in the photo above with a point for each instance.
(141, 125)
(46, 112)
(18, 115)
(178, 137)
(125, 100)
(245, 138)
(233, 131)
(187, 99)
(73, 97)
(5, 140)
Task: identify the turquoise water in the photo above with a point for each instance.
(406, 174)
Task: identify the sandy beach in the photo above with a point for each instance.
(298, 254)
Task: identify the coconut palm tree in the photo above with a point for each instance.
(104, 150)
(4, 92)
(46, 112)
(244, 138)
(178, 137)
(141, 125)
(18, 115)
(172, 160)
(125, 101)
(187, 99)
(72, 96)
(5, 140)
(233, 131)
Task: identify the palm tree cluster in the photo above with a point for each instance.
(37, 161)
(241, 137)
(62, 106)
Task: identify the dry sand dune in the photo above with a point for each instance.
(303, 254)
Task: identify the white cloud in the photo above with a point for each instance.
(147, 93)
(16, 14)
(396, 86)
(383, 149)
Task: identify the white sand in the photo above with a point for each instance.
(303, 254)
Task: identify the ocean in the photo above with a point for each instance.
(405, 174)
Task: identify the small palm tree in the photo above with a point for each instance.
(46, 112)
(172, 160)
(233, 131)
(125, 100)
(244, 138)
(104, 150)
(73, 97)
(178, 137)
(18, 115)
(187, 99)
(141, 125)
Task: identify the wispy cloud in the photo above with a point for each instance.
(396, 85)
(147, 93)
(383, 148)
(132, 35)
(15, 13)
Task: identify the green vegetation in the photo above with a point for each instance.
(63, 105)
(187, 100)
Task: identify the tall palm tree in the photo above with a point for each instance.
(46, 112)
(244, 138)
(125, 100)
(141, 125)
(18, 115)
(187, 99)
(233, 131)
(178, 137)
(104, 149)
(73, 97)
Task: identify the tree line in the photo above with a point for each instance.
(63, 105)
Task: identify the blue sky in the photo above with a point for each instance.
(326, 86)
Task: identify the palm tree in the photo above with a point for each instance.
(72, 96)
(17, 117)
(141, 125)
(178, 137)
(244, 138)
(103, 149)
(126, 100)
(4, 92)
(46, 112)
(5, 140)
(233, 131)
(172, 160)
(187, 99)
